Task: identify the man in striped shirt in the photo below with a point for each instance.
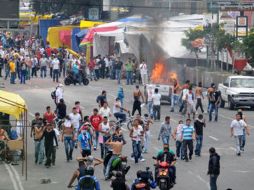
(188, 135)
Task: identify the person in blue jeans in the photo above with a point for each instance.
(67, 138)
(213, 168)
(23, 73)
(199, 124)
(165, 131)
(215, 100)
(118, 69)
(136, 133)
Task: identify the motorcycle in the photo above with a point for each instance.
(119, 164)
(72, 79)
(162, 177)
(144, 181)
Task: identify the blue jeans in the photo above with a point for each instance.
(13, 76)
(118, 75)
(129, 77)
(213, 182)
(109, 165)
(68, 145)
(136, 146)
(165, 140)
(95, 139)
(179, 149)
(39, 151)
(43, 71)
(120, 115)
(238, 143)
(213, 108)
(55, 75)
(150, 108)
(23, 77)
(174, 100)
(243, 140)
(97, 73)
(199, 139)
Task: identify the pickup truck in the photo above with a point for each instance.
(237, 91)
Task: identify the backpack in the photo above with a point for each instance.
(53, 94)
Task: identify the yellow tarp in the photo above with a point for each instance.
(31, 18)
(89, 24)
(11, 104)
(54, 35)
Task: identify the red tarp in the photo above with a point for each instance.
(240, 64)
(65, 37)
(90, 35)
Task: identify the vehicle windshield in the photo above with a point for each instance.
(242, 83)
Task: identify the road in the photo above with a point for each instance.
(236, 172)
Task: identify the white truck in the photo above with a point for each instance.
(237, 91)
(164, 90)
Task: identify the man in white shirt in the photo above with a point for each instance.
(75, 121)
(105, 110)
(143, 72)
(236, 129)
(56, 66)
(59, 93)
(43, 64)
(156, 98)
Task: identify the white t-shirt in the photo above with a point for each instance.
(143, 68)
(67, 123)
(156, 99)
(104, 128)
(117, 109)
(104, 112)
(179, 132)
(238, 127)
(190, 98)
(137, 133)
(149, 95)
(59, 94)
(75, 119)
(185, 92)
(55, 63)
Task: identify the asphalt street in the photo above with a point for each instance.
(236, 172)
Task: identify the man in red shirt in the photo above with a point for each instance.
(49, 116)
(95, 120)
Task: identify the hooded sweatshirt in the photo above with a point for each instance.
(214, 164)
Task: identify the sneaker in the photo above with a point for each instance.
(94, 148)
(142, 159)
(132, 158)
(238, 154)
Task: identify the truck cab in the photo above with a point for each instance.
(237, 91)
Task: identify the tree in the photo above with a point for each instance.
(248, 46)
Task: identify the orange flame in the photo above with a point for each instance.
(161, 75)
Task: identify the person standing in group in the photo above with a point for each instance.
(12, 67)
(175, 95)
(79, 110)
(50, 136)
(43, 64)
(49, 116)
(56, 67)
(61, 109)
(137, 94)
(199, 124)
(165, 131)
(199, 96)
(34, 61)
(177, 135)
(156, 99)
(95, 120)
(143, 72)
(213, 168)
(85, 142)
(236, 128)
(136, 133)
(102, 98)
(104, 135)
(118, 69)
(23, 73)
(75, 121)
(37, 132)
(215, 100)
(1, 65)
(185, 90)
(209, 91)
(105, 110)
(129, 71)
(67, 137)
(190, 104)
(188, 136)
(147, 133)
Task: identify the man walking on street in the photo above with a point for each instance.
(143, 72)
(213, 168)
(215, 100)
(236, 128)
(199, 96)
(156, 98)
(199, 124)
(129, 70)
(137, 94)
(188, 135)
(165, 131)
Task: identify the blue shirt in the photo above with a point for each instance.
(84, 140)
(187, 132)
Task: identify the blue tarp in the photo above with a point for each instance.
(74, 42)
(44, 25)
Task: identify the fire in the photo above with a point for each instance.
(161, 75)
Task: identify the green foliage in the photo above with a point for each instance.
(248, 45)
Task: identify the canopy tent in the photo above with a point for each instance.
(12, 104)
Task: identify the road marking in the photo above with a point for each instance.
(214, 138)
(17, 177)
(12, 177)
(241, 171)
(200, 178)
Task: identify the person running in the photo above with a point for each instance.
(76, 122)
(165, 131)
(188, 135)
(213, 168)
(67, 137)
(177, 135)
(137, 94)
(215, 100)
(199, 124)
(95, 120)
(156, 99)
(199, 96)
(104, 135)
(236, 129)
(50, 136)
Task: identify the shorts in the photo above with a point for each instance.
(86, 153)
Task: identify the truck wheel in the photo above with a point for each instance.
(230, 104)
(222, 104)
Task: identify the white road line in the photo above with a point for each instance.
(17, 177)
(214, 138)
(12, 177)
(241, 171)
(200, 178)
